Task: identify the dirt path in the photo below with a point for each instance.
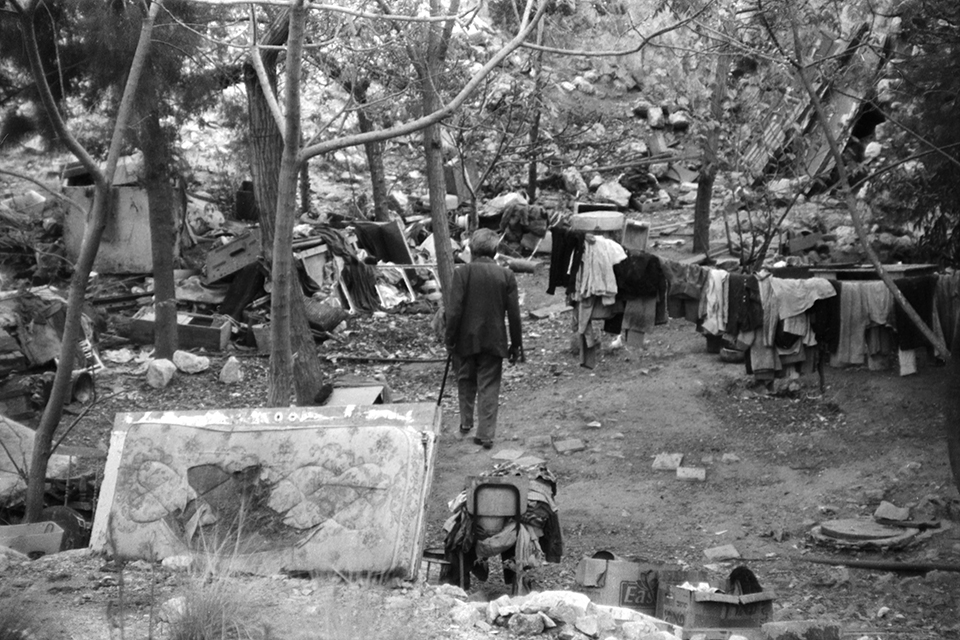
(790, 463)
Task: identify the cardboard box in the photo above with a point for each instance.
(35, 539)
(194, 331)
(703, 609)
(610, 580)
(231, 257)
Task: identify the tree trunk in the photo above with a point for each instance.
(708, 173)
(437, 189)
(951, 395)
(284, 283)
(93, 231)
(266, 150)
(536, 99)
(378, 175)
(160, 202)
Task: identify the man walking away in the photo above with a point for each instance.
(483, 293)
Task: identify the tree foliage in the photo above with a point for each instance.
(924, 99)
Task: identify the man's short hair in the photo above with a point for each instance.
(484, 242)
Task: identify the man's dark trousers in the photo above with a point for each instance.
(478, 382)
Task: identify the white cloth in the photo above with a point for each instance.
(713, 303)
(595, 276)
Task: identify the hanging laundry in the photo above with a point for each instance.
(596, 276)
(919, 292)
(862, 304)
(713, 302)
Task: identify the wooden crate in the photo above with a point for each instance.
(233, 256)
(194, 330)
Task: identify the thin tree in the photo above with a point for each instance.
(96, 222)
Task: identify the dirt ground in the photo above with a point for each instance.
(775, 466)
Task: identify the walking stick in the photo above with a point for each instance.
(443, 384)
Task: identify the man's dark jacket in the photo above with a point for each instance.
(482, 293)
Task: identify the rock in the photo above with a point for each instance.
(232, 372)
(564, 606)
(525, 624)
(723, 552)
(495, 608)
(568, 86)
(569, 445)
(548, 622)
(452, 590)
(637, 630)
(615, 193)
(584, 86)
(465, 615)
(802, 630)
(10, 557)
(642, 108)
(889, 511)
(679, 120)
(190, 363)
(693, 474)
(172, 610)
(573, 181)
(588, 625)
(655, 118)
(729, 458)
(177, 562)
(160, 373)
(667, 461)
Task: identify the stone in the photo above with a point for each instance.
(642, 108)
(525, 624)
(548, 622)
(494, 608)
(172, 610)
(723, 552)
(890, 511)
(667, 461)
(588, 625)
(538, 442)
(507, 454)
(451, 590)
(190, 363)
(679, 120)
(465, 615)
(232, 371)
(177, 562)
(613, 192)
(636, 629)
(160, 373)
(802, 630)
(693, 474)
(729, 458)
(573, 181)
(655, 118)
(569, 445)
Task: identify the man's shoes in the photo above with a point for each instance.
(465, 430)
(486, 444)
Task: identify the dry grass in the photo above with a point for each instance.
(16, 617)
(219, 609)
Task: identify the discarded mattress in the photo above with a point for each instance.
(323, 489)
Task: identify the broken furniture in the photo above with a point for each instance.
(331, 489)
(496, 503)
(194, 331)
(231, 257)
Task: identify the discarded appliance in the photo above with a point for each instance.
(34, 540)
(125, 246)
(611, 580)
(337, 488)
(740, 604)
